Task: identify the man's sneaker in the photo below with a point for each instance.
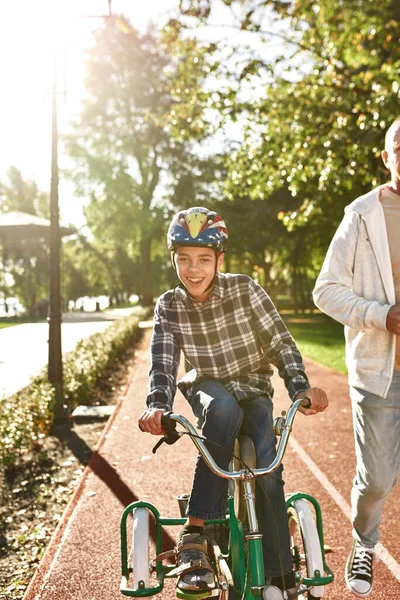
(359, 570)
(194, 570)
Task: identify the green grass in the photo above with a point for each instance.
(3, 325)
(9, 321)
(318, 337)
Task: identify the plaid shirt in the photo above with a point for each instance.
(233, 338)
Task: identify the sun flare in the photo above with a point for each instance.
(31, 34)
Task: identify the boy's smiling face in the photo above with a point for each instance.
(196, 268)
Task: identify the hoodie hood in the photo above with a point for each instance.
(365, 204)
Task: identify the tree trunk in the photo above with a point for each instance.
(295, 298)
(146, 287)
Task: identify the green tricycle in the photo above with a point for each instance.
(235, 542)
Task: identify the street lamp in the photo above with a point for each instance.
(55, 367)
(55, 364)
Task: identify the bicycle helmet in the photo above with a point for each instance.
(197, 226)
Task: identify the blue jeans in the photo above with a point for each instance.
(377, 439)
(221, 418)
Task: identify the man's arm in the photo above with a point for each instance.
(333, 292)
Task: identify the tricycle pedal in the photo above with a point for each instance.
(197, 595)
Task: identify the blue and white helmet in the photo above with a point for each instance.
(197, 226)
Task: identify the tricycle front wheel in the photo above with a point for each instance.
(140, 548)
(305, 546)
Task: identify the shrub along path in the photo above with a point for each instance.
(38, 472)
(24, 347)
(83, 559)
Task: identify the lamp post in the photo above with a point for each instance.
(55, 364)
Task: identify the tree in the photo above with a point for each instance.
(131, 143)
(24, 261)
(17, 194)
(323, 131)
(318, 125)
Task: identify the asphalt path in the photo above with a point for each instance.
(83, 558)
(24, 347)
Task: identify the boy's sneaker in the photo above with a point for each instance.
(272, 592)
(194, 570)
(290, 586)
(291, 594)
(359, 570)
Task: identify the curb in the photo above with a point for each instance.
(39, 576)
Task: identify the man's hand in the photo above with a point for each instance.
(393, 319)
(319, 401)
(150, 421)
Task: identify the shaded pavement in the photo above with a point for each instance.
(24, 347)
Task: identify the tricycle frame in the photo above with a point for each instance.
(248, 582)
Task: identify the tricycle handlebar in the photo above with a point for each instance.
(285, 430)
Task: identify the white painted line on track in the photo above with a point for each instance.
(380, 550)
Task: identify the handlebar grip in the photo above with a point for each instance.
(168, 425)
(306, 402)
(171, 435)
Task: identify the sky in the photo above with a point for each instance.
(29, 30)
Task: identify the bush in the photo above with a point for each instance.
(28, 416)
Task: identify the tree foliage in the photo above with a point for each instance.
(25, 262)
(322, 133)
(18, 194)
(311, 100)
(132, 145)
(316, 126)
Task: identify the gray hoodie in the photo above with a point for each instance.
(355, 286)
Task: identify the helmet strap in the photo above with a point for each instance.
(212, 282)
(173, 254)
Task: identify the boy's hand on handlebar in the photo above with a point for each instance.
(150, 421)
(318, 398)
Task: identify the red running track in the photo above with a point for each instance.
(83, 558)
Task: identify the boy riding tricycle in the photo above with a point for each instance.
(230, 333)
